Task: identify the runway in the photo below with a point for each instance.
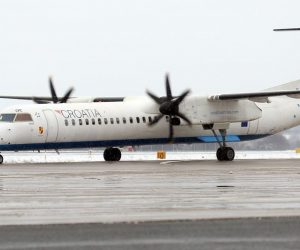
(247, 234)
(134, 191)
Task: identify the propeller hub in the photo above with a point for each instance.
(168, 108)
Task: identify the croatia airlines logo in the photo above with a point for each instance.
(79, 113)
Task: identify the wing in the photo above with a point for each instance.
(256, 96)
(44, 99)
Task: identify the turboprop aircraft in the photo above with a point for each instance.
(75, 122)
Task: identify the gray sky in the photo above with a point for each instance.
(118, 48)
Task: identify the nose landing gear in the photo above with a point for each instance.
(112, 154)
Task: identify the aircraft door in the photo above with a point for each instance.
(253, 127)
(52, 125)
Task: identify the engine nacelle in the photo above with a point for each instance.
(202, 111)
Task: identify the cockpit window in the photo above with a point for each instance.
(7, 117)
(23, 117)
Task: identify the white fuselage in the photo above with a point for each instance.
(72, 125)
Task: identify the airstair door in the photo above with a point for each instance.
(52, 125)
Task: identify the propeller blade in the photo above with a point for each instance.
(171, 130)
(168, 89)
(67, 96)
(155, 120)
(181, 97)
(154, 97)
(53, 93)
(183, 117)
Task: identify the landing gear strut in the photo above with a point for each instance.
(224, 153)
(112, 154)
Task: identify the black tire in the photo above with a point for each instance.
(112, 154)
(229, 154)
(225, 154)
(220, 154)
(107, 154)
(117, 154)
(1, 159)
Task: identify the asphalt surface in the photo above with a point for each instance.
(268, 233)
(151, 205)
(100, 192)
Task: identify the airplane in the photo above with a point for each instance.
(113, 122)
(287, 29)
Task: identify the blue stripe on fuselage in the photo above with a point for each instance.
(119, 143)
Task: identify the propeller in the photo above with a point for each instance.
(169, 106)
(54, 97)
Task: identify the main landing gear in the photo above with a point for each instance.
(112, 154)
(224, 153)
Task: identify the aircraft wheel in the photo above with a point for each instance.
(225, 154)
(220, 154)
(1, 159)
(112, 154)
(230, 154)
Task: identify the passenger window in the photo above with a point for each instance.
(111, 120)
(87, 121)
(105, 120)
(23, 117)
(124, 120)
(130, 120)
(99, 121)
(138, 120)
(144, 119)
(117, 120)
(80, 122)
(150, 119)
(93, 121)
(66, 122)
(73, 122)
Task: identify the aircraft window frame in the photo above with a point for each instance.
(117, 120)
(23, 117)
(80, 122)
(87, 122)
(105, 121)
(73, 122)
(12, 117)
(124, 120)
(99, 121)
(93, 121)
(131, 120)
(66, 122)
(150, 119)
(144, 119)
(137, 119)
(112, 120)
